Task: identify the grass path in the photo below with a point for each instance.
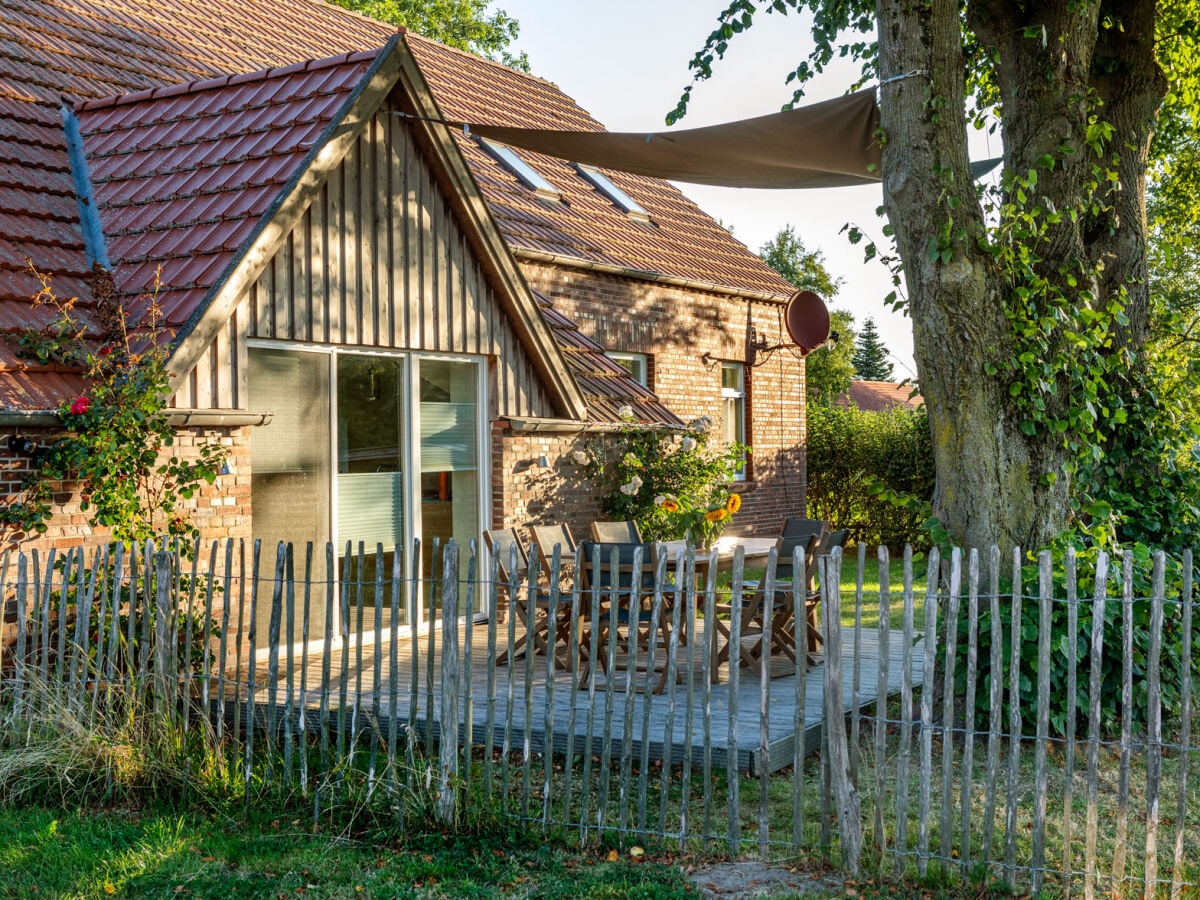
(128, 853)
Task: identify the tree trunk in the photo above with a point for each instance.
(1056, 69)
(989, 474)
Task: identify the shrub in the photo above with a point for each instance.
(637, 465)
(871, 472)
(1112, 653)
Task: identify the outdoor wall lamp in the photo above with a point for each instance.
(27, 447)
(543, 461)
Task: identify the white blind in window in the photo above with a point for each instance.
(370, 508)
(448, 439)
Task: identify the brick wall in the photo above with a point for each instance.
(674, 327)
(220, 510)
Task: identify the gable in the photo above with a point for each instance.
(379, 259)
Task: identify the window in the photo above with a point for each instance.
(525, 172)
(601, 182)
(633, 363)
(733, 408)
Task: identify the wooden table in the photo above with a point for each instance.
(757, 550)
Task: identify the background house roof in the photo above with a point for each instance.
(879, 396)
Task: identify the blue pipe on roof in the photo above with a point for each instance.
(89, 216)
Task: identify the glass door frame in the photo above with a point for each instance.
(410, 430)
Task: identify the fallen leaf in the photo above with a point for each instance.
(613, 856)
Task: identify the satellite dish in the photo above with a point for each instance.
(807, 319)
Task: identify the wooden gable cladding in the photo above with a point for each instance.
(378, 259)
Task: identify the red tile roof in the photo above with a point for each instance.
(605, 384)
(184, 174)
(879, 396)
(681, 242)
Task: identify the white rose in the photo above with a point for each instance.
(689, 444)
(581, 458)
(660, 500)
(632, 486)
(625, 412)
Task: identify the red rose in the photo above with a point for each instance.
(104, 351)
(80, 406)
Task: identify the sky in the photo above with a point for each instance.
(625, 62)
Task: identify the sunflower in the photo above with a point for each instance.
(733, 504)
(716, 515)
(670, 505)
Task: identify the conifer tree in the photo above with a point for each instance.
(870, 355)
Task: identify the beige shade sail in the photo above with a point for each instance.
(828, 144)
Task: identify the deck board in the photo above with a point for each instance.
(529, 696)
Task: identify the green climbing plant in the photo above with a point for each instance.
(116, 447)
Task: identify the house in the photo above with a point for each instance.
(399, 331)
(879, 396)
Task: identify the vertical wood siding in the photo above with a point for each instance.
(377, 260)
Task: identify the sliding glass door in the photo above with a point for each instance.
(365, 447)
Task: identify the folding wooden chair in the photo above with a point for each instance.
(828, 541)
(501, 543)
(756, 606)
(616, 533)
(795, 527)
(619, 599)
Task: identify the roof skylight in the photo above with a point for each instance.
(602, 183)
(525, 172)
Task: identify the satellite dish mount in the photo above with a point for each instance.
(806, 318)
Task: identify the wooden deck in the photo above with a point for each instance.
(686, 723)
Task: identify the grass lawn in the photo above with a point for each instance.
(132, 853)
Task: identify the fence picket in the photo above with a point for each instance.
(881, 693)
(393, 729)
(967, 784)
(288, 627)
(274, 626)
(1072, 574)
(707, 676)
(928, 662)
(732, 776)
(447, 803)
(856, 674)
(1014, 719)
(530, 651)
(905, 742)
(574, 651)
(302, 700)
(800, 621)
(764, 705)
(466, 658)
(1094, 687)
(951, 631)
(631, 654)
(1185, 728)
(1154, 725)
(376, 668)
(843, 788)
(1040, 775)
(548, 708)
(489, 727)
(995, 696)
(251, 718)
(1119, 853)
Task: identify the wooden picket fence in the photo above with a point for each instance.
(420, 686)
